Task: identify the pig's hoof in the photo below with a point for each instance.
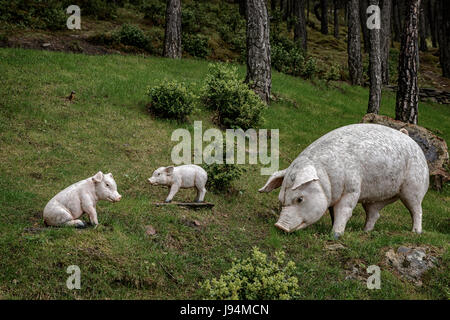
(167, 201)
(80, 225)
(336, 235)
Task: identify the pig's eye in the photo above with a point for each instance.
(159, 174)
(299, 199)
(107, 185)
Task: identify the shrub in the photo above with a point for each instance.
(196, 45)
(255, 278)
(171, 100)
(221, 176)
(310, 68)
(333, 73)
(237, 106)
(131, 36)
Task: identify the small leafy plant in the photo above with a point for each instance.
(171, 100)
(255, 278)
(131, 36)
(237, 106)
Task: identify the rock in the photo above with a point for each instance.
(411, 262)
(46, 45)
(334, 246)
(434, 147)
(149, 230)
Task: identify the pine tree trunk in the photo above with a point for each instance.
(422, 29)
(336, 19)
(374, 68)
(258, 49)
(324, 15)
(300, 33)
(363, 4)
(397, 23)
(444, 36)
(354, 43)
(172, 37)
(431, 19)
(406, 108)
(386, 10)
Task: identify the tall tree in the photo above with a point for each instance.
(323, 15)
(374, 66)
(258, 49)
(354, 42)
(406, 108)
(396, 21)
(431, 11)
(172, 36)
(422, 28)
(300, 33)
(336, 19)
(443, 10)
(386, 9)
(363, 4)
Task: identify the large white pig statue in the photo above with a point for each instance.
(67, 206)
(367, 163)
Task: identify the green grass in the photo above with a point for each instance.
(47, 143)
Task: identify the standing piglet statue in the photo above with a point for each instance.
(185, 176)
(367, 163)
(66, 207)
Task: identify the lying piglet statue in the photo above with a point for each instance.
(66, 207)
(185, 176)
(367, 163)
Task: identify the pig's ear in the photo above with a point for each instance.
(98, 177)
(275, 181)
(305, 175)
(110, 174)
(169, 170)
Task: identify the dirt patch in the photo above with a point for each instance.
(66, 43)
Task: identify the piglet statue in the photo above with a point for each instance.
(367, 163)
(66, 207)
(185, 176)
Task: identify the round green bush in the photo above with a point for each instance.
(171, 100)
(255, 278)
(237, 106)
(131, 36)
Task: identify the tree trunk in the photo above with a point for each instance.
(432, 20)
(300, 33)
(374, 67)
(363, 17)
(258, 49)
(172, 37)
(324, 15)
(406, 108)
(336, 19)
(354, 43)
(397, 23)
(443, 11)
(386, 10)
(422, 29)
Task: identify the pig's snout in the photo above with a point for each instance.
(289, 222)
(152, 181)
(119, 198)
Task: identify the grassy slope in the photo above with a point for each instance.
(48, 143)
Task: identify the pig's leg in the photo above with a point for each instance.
(62, 217)
(331, 214)
(414, 206)
(92, 213)
(173, 191)
(201, 191)
(373, 212)
(343, 211)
